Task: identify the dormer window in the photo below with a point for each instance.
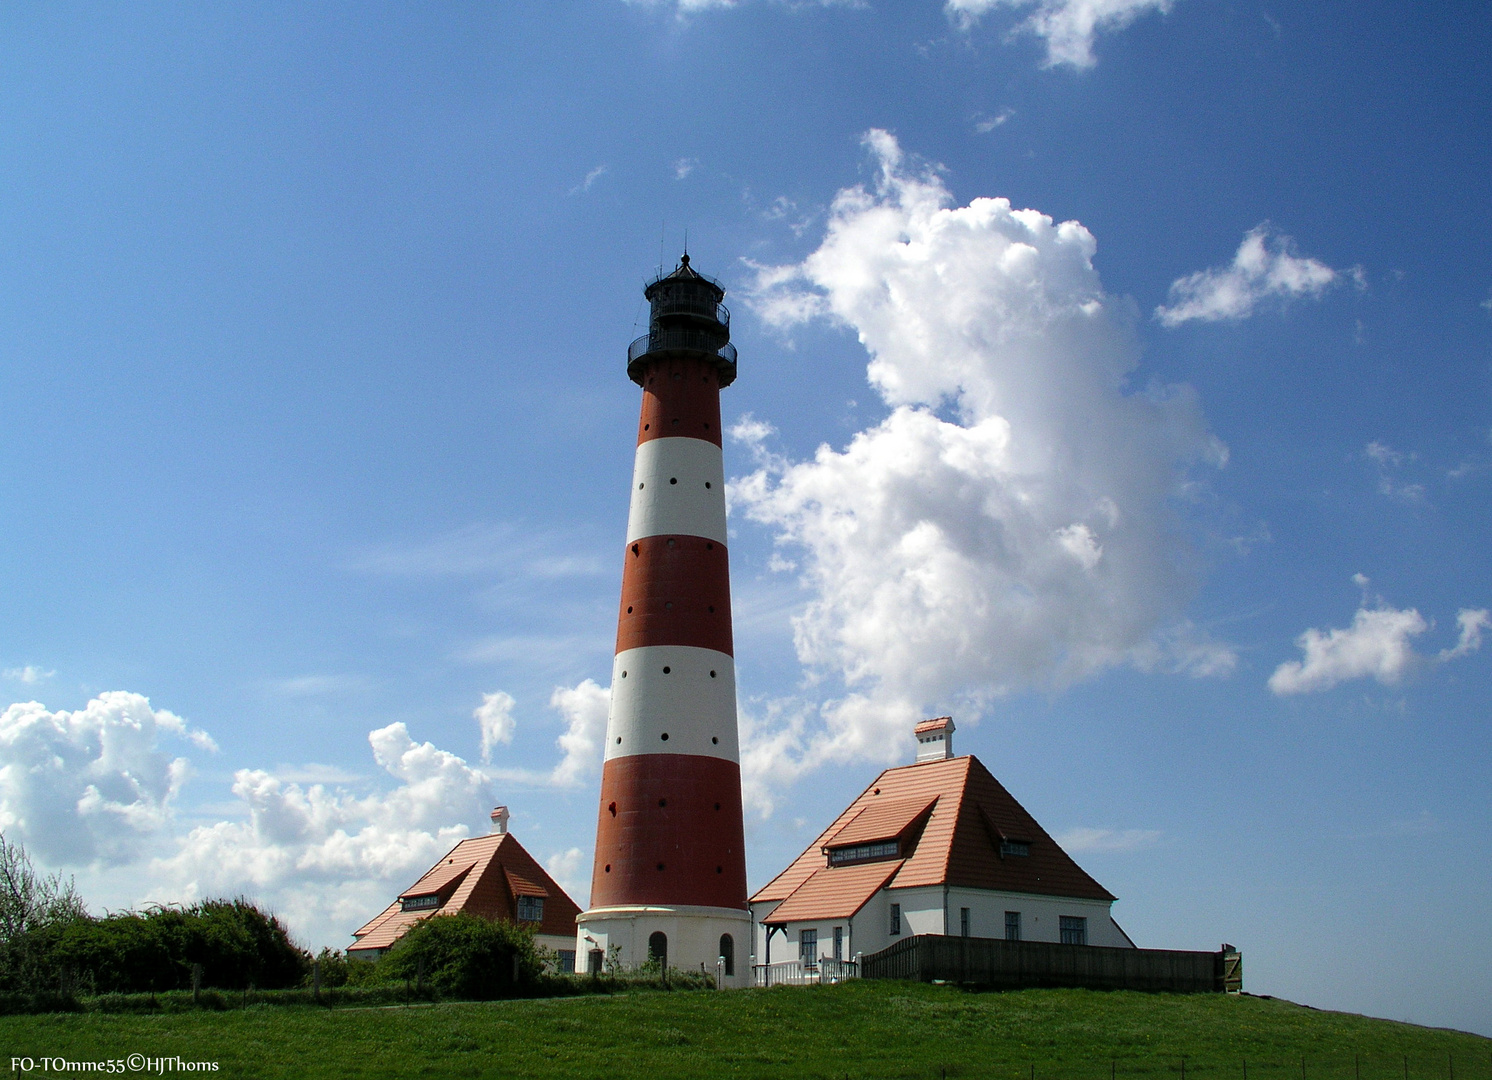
(530, 909)
(419, 903)
(1019, 848)
(885, 849)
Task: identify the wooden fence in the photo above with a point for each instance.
(1011, 965)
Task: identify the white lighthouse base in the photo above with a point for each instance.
(618, 937)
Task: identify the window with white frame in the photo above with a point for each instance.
(963, 922)
(881, 849)
(895, 919)
(808, 947)
(1074, 930)
(839, 943)
(530, 909)
(1018, 848)
(418, 903)
(1012, 926)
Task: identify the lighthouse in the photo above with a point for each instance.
(669, 880)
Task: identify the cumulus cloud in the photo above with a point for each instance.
(1069, 27)
(1109, 841)
(1377, 644)
(495, 718)
(684, 166)
(94, 783)
(1263, 267)
(1011, 522)
(584, 710)
(571, 868)
(1389, 461)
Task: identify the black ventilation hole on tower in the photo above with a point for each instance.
(612, 807)
(619, 740)
(646, 426)
(717, 806)
(712, 609)
(629, 611)
(664, 736)
(709, 547)
(715, 739)
(671, 542)
(624, 674)
(636, 548)
(673, 479)
(675, 421)
(678, 375)
(719, 869)
(707, 483)
(668, 605)
(667, 670)
(608, 868)
(712, 674)
(641, 486)
(662, 802)
(660, 866)
(707, 425)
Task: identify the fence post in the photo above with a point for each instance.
(316, 980)
(196, 985)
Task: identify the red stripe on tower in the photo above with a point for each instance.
(670, 872)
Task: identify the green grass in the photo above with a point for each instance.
(859, 1029)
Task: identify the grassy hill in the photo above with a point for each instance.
(859, 1029)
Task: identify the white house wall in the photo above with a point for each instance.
(922, 912)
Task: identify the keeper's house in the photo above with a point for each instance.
(936, 847)
(491, 876)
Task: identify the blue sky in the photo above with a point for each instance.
(317, 438)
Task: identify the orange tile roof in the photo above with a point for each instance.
(959, 845)
(485, 876)
(881, 821)
(935, 724)
(835, 892)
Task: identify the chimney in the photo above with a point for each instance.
(499, 820)
(934, 739)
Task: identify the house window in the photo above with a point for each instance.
(418, 903)
(567, 961)
(1012, 926)
(808, 947)
(1014, 847)
(895, 919)
(884, 849)
(594, 959)
(963, 922)
(839, 943)
(530, 909)
(1074, 930)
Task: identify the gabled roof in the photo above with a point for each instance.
(485, 876)
(960, 844)
(835, 892)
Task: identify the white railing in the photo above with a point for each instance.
(797, 973)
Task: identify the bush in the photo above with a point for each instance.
(465, 956)
(236, 944)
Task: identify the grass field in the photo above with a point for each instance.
(859, 1029)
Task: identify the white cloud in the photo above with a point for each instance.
(1263, 267)
(1472, 622)
(684, 166)
(495, 718)
(30, 674)
(590, 179)
(1487, 303)
(1389, 461)
(1069, 27)
(1110, 841)
(584, 709)
(328, 858)
(1377, 644)
(92, 783)
(1010, 523)
(985, 124)
(571, 869)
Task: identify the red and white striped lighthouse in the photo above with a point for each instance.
(669, 881)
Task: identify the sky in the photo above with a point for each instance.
(1116, 377)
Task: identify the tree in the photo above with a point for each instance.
(30, 901)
